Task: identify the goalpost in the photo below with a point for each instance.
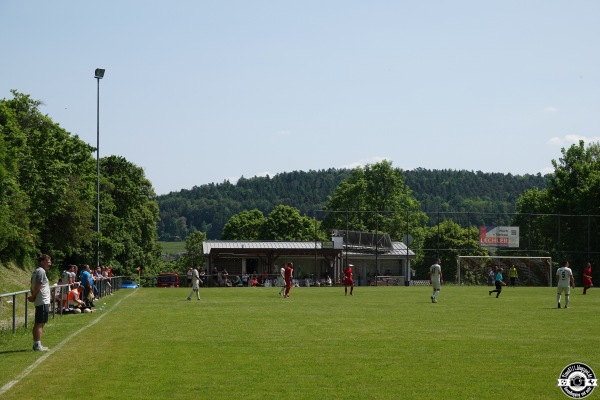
(531, 271)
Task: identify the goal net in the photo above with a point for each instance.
(531, 271)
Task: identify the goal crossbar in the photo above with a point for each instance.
(533, 271)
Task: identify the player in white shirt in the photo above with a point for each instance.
(195, 284)
(565, 281)
(435, 278)
(281, 281)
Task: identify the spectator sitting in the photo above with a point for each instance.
(74, 298)
(237, 281)
(328, 281)
(255, 282)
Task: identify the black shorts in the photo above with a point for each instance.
(41, 313)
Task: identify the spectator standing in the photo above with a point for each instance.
(40, 297)
(189, 275)
(491, 277)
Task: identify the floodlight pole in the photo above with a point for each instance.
(99, 74)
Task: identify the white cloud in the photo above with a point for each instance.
(568, 140)
(550, 109)
(547, 170)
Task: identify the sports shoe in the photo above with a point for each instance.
(558, 305)
(432, 299)
(39, 348)
(566, 306)
(188, 298)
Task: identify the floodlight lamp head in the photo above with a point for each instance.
(99, 74)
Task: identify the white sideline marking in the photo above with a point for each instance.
(48, 353)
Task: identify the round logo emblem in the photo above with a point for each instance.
(577, 381)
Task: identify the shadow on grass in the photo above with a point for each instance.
(15, 351)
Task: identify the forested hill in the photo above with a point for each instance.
(208, 207)
(450, 190)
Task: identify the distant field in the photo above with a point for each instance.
(172, 247)
(382, 343)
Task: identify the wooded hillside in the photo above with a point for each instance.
(208, 207)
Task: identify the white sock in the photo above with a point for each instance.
(37, 343)
(566, 300)
(558, 298)
(191, 293)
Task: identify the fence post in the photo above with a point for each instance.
(14, 316)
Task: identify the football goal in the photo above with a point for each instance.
(531, 271)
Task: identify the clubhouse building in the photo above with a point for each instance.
(373, 255)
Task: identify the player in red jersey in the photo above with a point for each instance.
(289, 270)
(348, 281)
(587, 278)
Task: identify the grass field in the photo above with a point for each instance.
(172, 247)
(382, 343)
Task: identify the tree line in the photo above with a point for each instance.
(207, 208)
(48, 196)
(48, 203)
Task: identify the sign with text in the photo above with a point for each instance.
(499, 236)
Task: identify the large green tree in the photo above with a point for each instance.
(245, 225)
(128, 217)
(564, 216)
(286, 223)
(446, 241)
(375, 198)
(282, 223)
(53, 181)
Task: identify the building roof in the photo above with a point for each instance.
(256, 247)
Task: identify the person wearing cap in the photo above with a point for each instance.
(435, 278)
(348, 281)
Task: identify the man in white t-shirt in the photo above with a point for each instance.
(195, 284)
(281, 281)
(435, 278)
(40, 297)
(565, 281)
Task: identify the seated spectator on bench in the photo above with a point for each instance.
(74, 298)
(237, 281)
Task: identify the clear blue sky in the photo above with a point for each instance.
(202, 91)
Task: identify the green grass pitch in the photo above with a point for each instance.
(381, 343)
